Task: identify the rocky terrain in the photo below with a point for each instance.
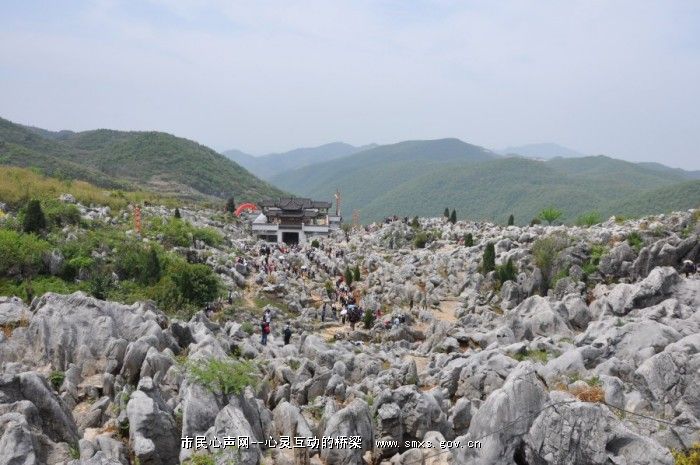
(587, 354)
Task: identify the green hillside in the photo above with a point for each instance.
(267, 166)
(366, 175)
(117, 159)
(425, 177)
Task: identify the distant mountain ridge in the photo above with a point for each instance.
(544, 151)
(267, 166)
(118, 159)
(423, 177)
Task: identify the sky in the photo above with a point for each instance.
(620, 78)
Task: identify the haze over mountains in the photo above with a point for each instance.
(267, 166)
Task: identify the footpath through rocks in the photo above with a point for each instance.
(574, 346)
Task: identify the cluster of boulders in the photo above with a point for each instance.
(603, 368)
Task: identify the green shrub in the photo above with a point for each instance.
(634, 239)
(72, 266)
(209, 236)
(21, 254)
(247, 327)
(535, 221)
(368, 319)
(468, 240)
(315, 244)
(415, 223)
(506, 272)
(535, 355)
(230, 205)
(591, 265)
(348, 276)
(177, 214)
(488, 262)
(60, 214)
(134, 261)
(550, 215)
(420, 240)
(197, 284)
(222, 376)
(200, 458)
(688, 457)
(545, 252)
(34, 219)
(100, 284)
(56, 378)
(589, 219)
(356, 274)
(175, 232)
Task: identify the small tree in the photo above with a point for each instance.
(420, 240)
(34, 219)
(446, 213)
(315, 244)
(348, 276)
(506, 272)
(415, 223)
(511, 220)
(535, 221)
(453, 216)
(545, 252)
(489, 258)
(589, 219)
(550, 215)
(177, 213)
(230, 205)
(468, 240)
(152, 269)
(368, 319)
(356, 274)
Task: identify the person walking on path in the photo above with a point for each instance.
(287, 333)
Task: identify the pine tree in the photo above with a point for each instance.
(453, 216)
(348, 276)
(489, 259)
(153, 270)
(446, 213)
(230, 205)
(356, 274)
(468, 240)
(511, 220)
(34, 219)
(177, 213)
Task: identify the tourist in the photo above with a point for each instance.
(265, 330)
(287, 333)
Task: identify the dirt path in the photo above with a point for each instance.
(447, 310)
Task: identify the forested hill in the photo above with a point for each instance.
(424, 177)
(153, 160)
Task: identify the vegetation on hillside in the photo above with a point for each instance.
(423, 178)
(118, 159)
(45, 245)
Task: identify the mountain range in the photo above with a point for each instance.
(543, 151)
(423, 177)
(151, 160)
(267, 166)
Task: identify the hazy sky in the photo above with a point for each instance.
(614, 77)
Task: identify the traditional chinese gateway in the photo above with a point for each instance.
(295, 220)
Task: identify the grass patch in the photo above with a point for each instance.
(535, 355)
(688, 457)
(225, 376)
